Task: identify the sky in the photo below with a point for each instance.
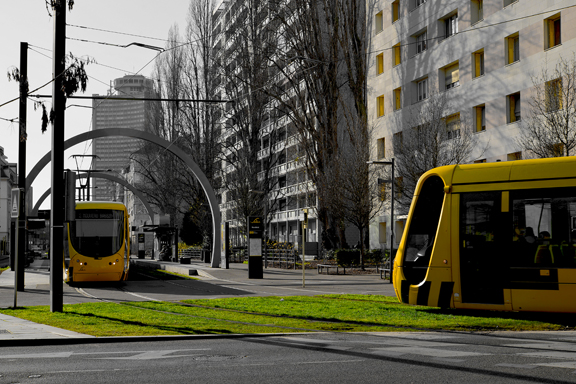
(29, 21)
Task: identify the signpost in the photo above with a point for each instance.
(141, 245)
(304, 227)
(225, 246)
(255, 232)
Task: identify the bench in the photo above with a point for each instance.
(384, 269)
(321, 267)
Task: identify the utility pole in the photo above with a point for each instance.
(21, 246)
(57, 197)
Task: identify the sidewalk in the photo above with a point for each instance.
(15, 331)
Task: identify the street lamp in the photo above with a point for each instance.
(391, 181)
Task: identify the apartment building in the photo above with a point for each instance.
(291, 191)
(481, 54)
(8, 180)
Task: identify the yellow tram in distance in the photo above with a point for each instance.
(492, 236)
(98, 243)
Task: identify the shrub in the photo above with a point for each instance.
(374, 256)
(347, 256)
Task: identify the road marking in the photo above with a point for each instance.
(556, 346)
(521, 366)
(551, 355)
(432, 352)
(39, 355)
(149, 355)
(140, 296)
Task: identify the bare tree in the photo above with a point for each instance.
(430, 138)
(549, 130)
(358, 191)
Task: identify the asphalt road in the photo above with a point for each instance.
(313, 358)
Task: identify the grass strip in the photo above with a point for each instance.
(332, 313)
(388, 312)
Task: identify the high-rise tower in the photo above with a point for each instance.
(113, 153)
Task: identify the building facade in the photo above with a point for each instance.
(113, 153)
(291, 191)
(8, 180)
(481, 54)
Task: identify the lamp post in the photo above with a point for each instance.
(391, 181)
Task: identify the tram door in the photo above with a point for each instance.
(483, 256)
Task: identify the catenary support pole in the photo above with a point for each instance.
(57, 197)
(21, 246)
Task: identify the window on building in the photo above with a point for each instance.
(380, 64)
(513, 104)
(381, 148)
(480, 113)
(382, 232)
(399, 187)
(479, 161)
(477, 8)
(422, 86)
(553, 91)
(382, 189)
(508, 2)
(421, 42)
(552, 31)
(452, 75)
(380, 105)
(478, 62)
(379, 22)
(395, 10)
(398, 140)
(398, 98)
(512, 48)
(514, 156)
(453, 126)
(400, 224)
(451, 25)
(418, 3)
(397, 54)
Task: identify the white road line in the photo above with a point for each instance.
(432, 352)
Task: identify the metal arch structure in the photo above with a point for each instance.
(99, 175)
(125, 132)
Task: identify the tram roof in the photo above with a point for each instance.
(519, 170)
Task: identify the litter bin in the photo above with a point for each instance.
(206, 255)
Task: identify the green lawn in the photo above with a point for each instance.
(337, 313)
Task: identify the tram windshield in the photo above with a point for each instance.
(98, 232)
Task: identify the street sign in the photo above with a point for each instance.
(255, 232)
(15, 207)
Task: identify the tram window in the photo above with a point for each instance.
(98, 232)
(422, 229)
(544, 234)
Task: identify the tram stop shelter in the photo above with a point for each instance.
(163, 235)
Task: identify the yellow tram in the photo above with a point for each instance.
(98, 243)
(495, 236)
